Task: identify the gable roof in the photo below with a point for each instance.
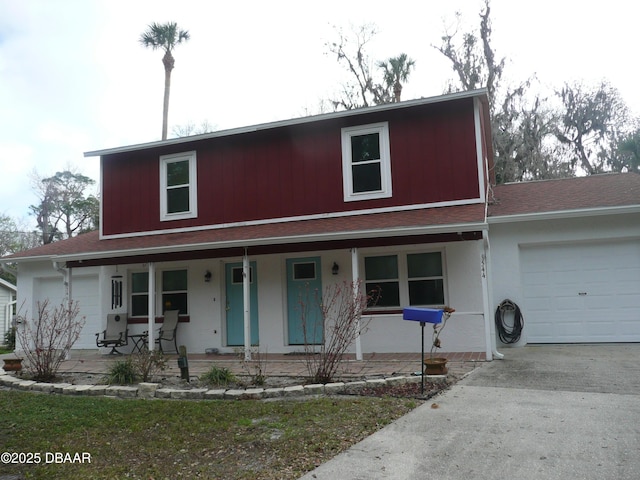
(566, 197)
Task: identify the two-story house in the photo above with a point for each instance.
(237, 228)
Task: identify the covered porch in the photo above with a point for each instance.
(236, 287)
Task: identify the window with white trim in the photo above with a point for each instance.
(178, 186)
(175, 291)
(415, 279)
(139, 294)
(366, 162)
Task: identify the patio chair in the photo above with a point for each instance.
(169, 329)
(116, 333)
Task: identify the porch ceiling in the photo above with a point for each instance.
(425, 225)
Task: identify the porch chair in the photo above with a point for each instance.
(169, 329)
(116, 333)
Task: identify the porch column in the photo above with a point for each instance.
(246, 301)
(489, 325)
(152, 304)
(355, 279)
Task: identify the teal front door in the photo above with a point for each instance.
(235, 304)
(304, 293)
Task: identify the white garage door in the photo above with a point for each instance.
(583, 292)
(84, 290)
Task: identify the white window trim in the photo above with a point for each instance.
(193, 186)
(169, 292)
(133, 294)
(403, 276)
(385, 162)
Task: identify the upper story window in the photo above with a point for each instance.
(366, 162)
(178, 186)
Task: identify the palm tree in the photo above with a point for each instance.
(396, 71)
(166, 37)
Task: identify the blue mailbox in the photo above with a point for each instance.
(424, 316)
(428, 315)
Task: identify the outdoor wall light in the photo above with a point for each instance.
(335, 269)
(207, 276)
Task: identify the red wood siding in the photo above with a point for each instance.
(297, 170)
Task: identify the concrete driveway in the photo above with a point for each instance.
(544, 412)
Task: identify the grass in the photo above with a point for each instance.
(186, 439)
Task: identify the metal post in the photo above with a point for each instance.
(422, 361)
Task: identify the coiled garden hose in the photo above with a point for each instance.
(509, 333)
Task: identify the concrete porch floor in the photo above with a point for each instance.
(374, 365)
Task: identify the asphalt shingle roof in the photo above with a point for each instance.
(347, 227)
(578, 193)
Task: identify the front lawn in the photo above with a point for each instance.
(157, 439)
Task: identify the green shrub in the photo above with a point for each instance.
(10, 339)
(218, 376)
(122, 372)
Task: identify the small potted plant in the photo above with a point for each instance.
(437, 365)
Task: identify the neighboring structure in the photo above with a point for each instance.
(233, 228)
(8, 293)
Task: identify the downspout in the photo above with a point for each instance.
(486, 283)
(66, 275)
(492, 349)
(246, 301)
(355, 281)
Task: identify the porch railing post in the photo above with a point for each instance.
(355, 281)
(246, 299)
(152, 304)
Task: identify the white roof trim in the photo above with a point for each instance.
(10, 286)
(291, 122)
(560, 214)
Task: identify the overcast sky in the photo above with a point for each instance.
(74, 78)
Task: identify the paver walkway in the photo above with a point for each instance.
(374, 365)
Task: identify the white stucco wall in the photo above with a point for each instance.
(507, 238)
(465, 329)
(207, 327)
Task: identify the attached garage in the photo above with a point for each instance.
(567, 251)
(85, 292)
(581, 292)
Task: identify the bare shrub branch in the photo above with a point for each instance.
(47, 338)
(341, 306)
